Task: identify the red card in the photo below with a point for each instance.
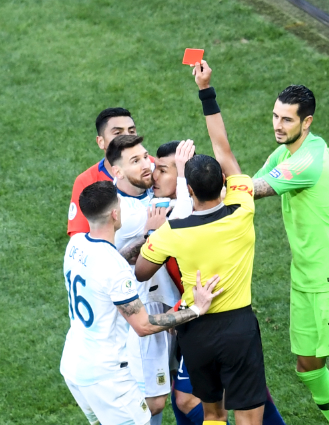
(191, 56)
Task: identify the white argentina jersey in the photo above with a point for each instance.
(160, 287)
(97, 279)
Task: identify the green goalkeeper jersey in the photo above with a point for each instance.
(302, 180)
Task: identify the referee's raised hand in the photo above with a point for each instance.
(202, 73)
(203, 295)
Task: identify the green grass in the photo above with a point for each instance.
(61, 64)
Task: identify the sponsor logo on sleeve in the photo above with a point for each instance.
(128, 286)
(72, 211)
(242, 188)
(275, 173)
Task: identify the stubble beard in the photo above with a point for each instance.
(141, 184)
(292, 139)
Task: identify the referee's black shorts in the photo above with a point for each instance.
(224, 351)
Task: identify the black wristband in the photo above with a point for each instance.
(209, 103)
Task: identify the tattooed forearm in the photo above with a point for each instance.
(262, 189)
(132, 250)
(131, 308)
(166, 321)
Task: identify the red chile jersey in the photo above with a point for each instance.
(77, 222)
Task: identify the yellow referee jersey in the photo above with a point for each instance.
(217, 241)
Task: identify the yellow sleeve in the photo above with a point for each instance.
(158, 246)
(240, 190)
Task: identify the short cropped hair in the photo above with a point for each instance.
(104, 116)
(167, 149)
(302, 96)
(97, 199)
(119, 144)
(204, 174)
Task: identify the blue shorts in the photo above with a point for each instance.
(182, 380)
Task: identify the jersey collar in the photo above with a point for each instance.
(210, 210)
(98, 240)
(142, 196)
(101, 168)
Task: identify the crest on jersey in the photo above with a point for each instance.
(72, 211)
(161, 378)
(143, 405)
(128, 286)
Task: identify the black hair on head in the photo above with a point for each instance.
(119, 144)
(167, 149)
(108, 113)
(302, 96)
(204, 174)
(97, 198)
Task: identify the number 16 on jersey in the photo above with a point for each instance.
(75, 300)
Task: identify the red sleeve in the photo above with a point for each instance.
(77, 222)
(175, 274)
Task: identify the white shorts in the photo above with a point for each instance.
(151, 357)
(115, 401)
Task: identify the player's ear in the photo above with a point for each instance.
(307, 122)
(101, 142)
(114, 214)
(117, 172)
(224, 178)
(190, 190)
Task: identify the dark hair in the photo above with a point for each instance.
(119, 144)
(97, 198)
(108, 113)
(204, 174)
(302, 96)
(167, 149)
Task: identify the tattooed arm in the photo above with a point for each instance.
(155, 218)
(130, 252)
(262, 189)
(145, 324)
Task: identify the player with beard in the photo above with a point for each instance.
(111, 122)
(298, 171)
(149, 356)
(100, 285)
(169, 180)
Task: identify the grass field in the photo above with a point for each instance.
(62, 63)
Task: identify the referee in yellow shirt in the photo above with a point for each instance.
(222, 349)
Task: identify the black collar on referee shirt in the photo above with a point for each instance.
(199, 218)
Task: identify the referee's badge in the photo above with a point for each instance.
(161, 378)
